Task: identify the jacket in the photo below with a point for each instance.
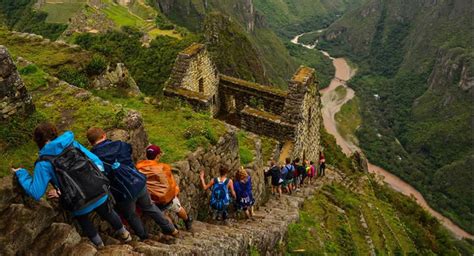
(44, 173)
(160, 181)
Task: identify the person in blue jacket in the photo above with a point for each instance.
(49, 143)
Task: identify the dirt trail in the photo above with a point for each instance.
(331, 106)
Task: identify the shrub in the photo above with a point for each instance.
(96, 66)
(73, 76)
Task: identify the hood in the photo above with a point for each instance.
(56, 146)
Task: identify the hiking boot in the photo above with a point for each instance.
(125, 236)
(100, 246)
(188, 223)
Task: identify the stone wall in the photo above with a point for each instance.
(264, 123)
(303, 109)
(14, 98)
(271, 100)
(225, 152)
(195, 72)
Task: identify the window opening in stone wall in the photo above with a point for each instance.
(201, 84)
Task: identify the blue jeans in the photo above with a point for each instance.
(128, 209)
(106, 213)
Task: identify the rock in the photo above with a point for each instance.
(82, 249)
(54, 240)
(14, 97)
(118, 250)
(118, 77)
(132, 130)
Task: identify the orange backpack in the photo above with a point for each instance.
(160, 181)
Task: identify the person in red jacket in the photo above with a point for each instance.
(162, 185)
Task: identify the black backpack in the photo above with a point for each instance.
(80, 182)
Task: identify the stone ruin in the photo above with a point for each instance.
(291, 116)
(15, 99)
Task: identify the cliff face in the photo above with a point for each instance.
(269, 58)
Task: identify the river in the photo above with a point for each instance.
(332, 104)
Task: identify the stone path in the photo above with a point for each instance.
(267, 234)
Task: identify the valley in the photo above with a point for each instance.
(332, 105)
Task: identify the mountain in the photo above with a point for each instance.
(416, 80)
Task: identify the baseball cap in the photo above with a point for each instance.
(152, 151)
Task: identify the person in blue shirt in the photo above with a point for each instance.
(49, 143)
(243, 191)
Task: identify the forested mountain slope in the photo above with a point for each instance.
(416, 78)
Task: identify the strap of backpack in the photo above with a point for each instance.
(226, 181)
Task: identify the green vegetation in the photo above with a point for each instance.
(339, 221)
(122, 17)
(333, 152)
(246, 147)
(172, 125)
(48, 57)
(348, 119)
(314, 59)
(290, 17)
(62, 12)
(150, 67)
(416, 121)
(19, 15)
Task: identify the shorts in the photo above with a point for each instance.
(287, 182)
(173, 206)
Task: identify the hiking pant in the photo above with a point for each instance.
(106, 213)
(322, 169)
(128, 210)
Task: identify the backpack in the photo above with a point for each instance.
(220, 195)
(79, 180)
(290, 171)
(126, 182)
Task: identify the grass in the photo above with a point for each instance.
(121, 16)
(330, 224)
(246, 147)
(62, 12)
(348, 119)
(48, 57)
(174, 126)
(159, 32)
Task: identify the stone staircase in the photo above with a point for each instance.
(267, 234)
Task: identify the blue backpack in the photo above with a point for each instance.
(220, 195)
(125, 181)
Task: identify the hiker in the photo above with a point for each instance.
(275, 173)
(128, 185)
(303, 171)
(287, 174)
(162, 185)
(220, 187)
(310, 170)
(322, 164)
(81, 189)
(299, 170)
(243, 191)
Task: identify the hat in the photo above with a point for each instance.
(152, 151)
